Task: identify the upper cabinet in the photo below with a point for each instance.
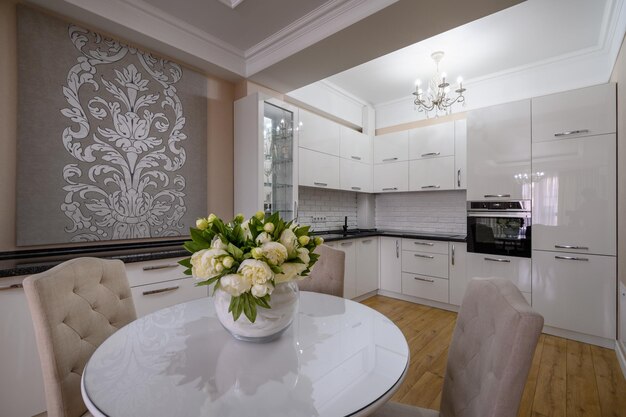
(431, 174)
(576, 113)
(460, 154)
(319, 134)
(432, 141)
(498, 152)
(392, 147)
(355, 146)
(318, 169)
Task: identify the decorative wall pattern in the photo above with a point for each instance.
(121, 155)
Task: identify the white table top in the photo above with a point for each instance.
(338, 358)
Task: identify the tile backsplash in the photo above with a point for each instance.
(326, 209)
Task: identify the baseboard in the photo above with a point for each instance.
(580, 337)
(621, 356)
(417, 300)
(365, 296)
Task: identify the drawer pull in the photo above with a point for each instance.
(430, 186)
(458, 178)
(417, 255)
(571, 258)
(358, 158)
(390, 159)
(571, 132)
(390, 189)
(11, 287)
(424, 243)
(498, 260)
(452, 254)
(320, 184)
(424, 279)
(346, 243)
(366, 241)
(356, 188)
(161, 290)
(431, 154)
(571, 247)
(497, 195)
(155, 267)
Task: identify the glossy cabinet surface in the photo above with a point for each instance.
(432, 174)
(150, 272)
(431, 141)
(392, 147)
(391, 177)
(574, 195)
(355, 145)
(430, 264)
(349, 276)
(576, 294)
(367, 265)
(355, 176)
(318, 169)
(152, 297)
(391, 264)
(584, 112)
(498, 152)
(428, 287)
(517, 270)
(319, 134)
(422, 245)
(460, 154)
(458, 272)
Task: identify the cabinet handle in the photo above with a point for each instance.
(458, 178)
(358, 158)
(155, 267)
(346, 243)
(571, 258)
(424, 243)
(321, 184)
(390, 159)
(430, 186)
(356, 188)
(397, 248)
(161, 290)
(424, 279)
(11, 287)
(498, 260)
(390, 189)
(366, 241)
(452, 255)
(431, 154)
(497, 195)
(295, 210)
(571, 247)
(571, 132)
(423, 256)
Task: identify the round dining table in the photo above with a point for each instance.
(338, 358)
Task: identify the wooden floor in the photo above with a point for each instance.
(567, 378)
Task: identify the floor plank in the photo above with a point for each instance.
(582, 391)
(610, 380)
(526, 403)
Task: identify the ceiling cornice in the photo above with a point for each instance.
(232, 3)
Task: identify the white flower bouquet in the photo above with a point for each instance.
(248, 258)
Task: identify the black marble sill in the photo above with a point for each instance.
(335, 235)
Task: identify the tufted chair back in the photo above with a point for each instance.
(75, 306)
(327, 273)
(491, 351)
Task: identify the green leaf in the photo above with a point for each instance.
(198, 238)
(263, 301)
(231, 306)
(301, 231)
(276, 269)
(188, 271)
(235, 251)
(185, 262)
(192, 247)
(238, 308)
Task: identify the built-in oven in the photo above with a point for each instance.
(499, 227)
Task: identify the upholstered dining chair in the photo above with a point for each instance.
(490, 355)
(75, 306)
(327, 273)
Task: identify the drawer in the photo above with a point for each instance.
(423, 286)
(153, 297)
(429, 246)
(431, 264)
(149, 272)
(517, 270)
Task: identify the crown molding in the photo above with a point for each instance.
(345, 93)
(232, 3)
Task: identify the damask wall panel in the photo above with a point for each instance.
(111, 139)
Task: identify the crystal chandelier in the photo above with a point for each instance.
(437, 96)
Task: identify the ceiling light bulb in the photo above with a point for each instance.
(444, 75)
(418, 82)
(459, 80)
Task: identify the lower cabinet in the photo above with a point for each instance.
(366, 265)
(458, 272)
(349, 277)
(575, 292)
(390, 264)
(513, 268)
(153, 297)
(423, 286)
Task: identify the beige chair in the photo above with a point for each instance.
(75, 306)
(490, 355)
(327, 273)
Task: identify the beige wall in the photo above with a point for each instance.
(221, 95)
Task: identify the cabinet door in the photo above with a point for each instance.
(356, 146)
(431, 141)
(153, 297)
(390, 264)
(392, 147)
(391, 177)
(460, 154)
(349, 277)
(574, 195)
(427, 287)
(498, 152)
(583, 112)
(319, 134)
(458, 272)
(575, 292)
(431, 174)
(517, 270)
(366, 265)
(355, 176)
(318, 169)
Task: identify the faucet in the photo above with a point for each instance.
(345, 224)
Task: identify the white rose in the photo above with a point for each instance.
(290, 272)
(202, 224)
(268, 227)
(303, 255)
(274, 252)
(257, 272)
(234, 284)
(218, 244)
(261, 290)
(304, 240)
(228, 262)
(289, 240)
(263, 237)
(204, 263)
(245, 226)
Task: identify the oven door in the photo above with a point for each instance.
(499, 233)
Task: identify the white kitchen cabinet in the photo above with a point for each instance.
(151, 272)
(349, 277)
(458, 272)
(355, 176)
(422, 245)
(432, 174)
(422, 263)
(422, 286)
(318, 169)
(460, 154)
(366, 265)
(498, 152)
(319, 134)
(391, 177)
(575, 292)
(583, 112)
(390, 264)
(574, 195)
(431, 141)
(392, 147)
(152, 297)
(515, 269)
(355, 146)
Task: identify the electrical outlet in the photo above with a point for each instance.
(319, 219)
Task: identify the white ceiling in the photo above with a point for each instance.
(532, 32)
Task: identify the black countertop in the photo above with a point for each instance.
(334, 235)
